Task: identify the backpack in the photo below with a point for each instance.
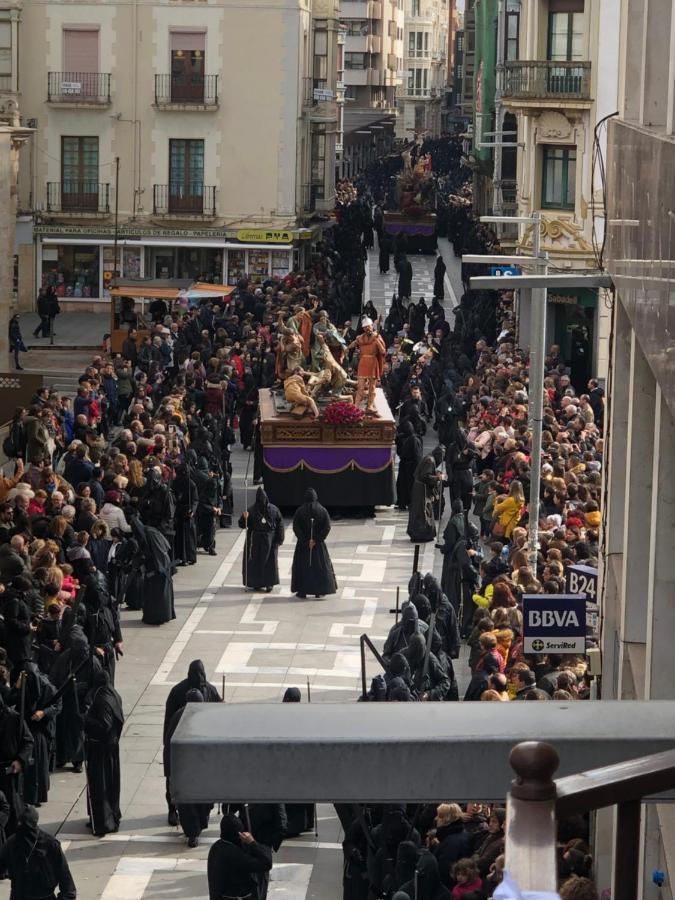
(8, 447)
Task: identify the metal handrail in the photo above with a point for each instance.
(535, 800)
(365, 641)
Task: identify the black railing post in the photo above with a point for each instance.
(627, 851)
(364, 691)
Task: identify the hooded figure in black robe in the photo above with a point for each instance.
(193, 817)
(300, 815)
(157, 574)
(439, 278)
(264, 535)
(157, 505)
(76, 661)
(40, 717)
(103, 622)
(208, 499)
(430, 681)
(385, 250)
(312, 571)
(400, 634)
(35, 862)
(234, 864)
(102, 728)
(405, 276)
(249, 409)
(459, 578)
(196, 680)
(446, 618)
(409, 450)
(424, 495)
(16, 747)
(417, 316)
(429, 885)
(187, 499)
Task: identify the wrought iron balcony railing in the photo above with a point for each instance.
(180, 198)
(186, 90)
(546, 79)
(78, 196)
(78, 87)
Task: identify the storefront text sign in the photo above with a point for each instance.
(264, 236)
(554, 623)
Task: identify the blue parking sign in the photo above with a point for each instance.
(554, 623)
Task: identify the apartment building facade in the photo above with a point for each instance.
(422, 95)
(12, 138)
(225, 145)
(638, 579)
(372, 69)
(553, 88)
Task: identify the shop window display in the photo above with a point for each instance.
(258, 265)
(236, 265)
(74, 272)
(280, 263)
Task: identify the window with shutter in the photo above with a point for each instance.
(80, 62)
(188, 53)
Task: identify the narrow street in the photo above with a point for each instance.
(255, 646)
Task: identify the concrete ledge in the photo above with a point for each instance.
(389, 752)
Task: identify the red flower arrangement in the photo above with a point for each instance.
(343, 413)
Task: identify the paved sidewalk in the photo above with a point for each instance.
(71, 329)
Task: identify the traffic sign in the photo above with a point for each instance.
(583, 580)
(554, 623)
(505, 271)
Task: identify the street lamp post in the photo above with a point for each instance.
(539, 285)
(538, 301)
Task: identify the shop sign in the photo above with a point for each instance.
(563, 299)
(554, 623)
(583, 580)
(264, 236)
(321, 94)
(128, 232)
(505, 271)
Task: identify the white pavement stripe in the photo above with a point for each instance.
(133, 874)
(72, 840)
(182, 638)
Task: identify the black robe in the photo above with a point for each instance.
(439, 278)
(69, 724)
(459, 578)
(409, 449)
(36, 865)
(102, 625)
(187, 498)
(385, 249)
(193, 817)
(38, 695)
(158, 604)
(264, 535)
(196, 679)
(405, 276)
(103, 727)
(16, 743)
(421, 524)
(312, 571)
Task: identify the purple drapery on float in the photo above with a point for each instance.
(327, 460)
